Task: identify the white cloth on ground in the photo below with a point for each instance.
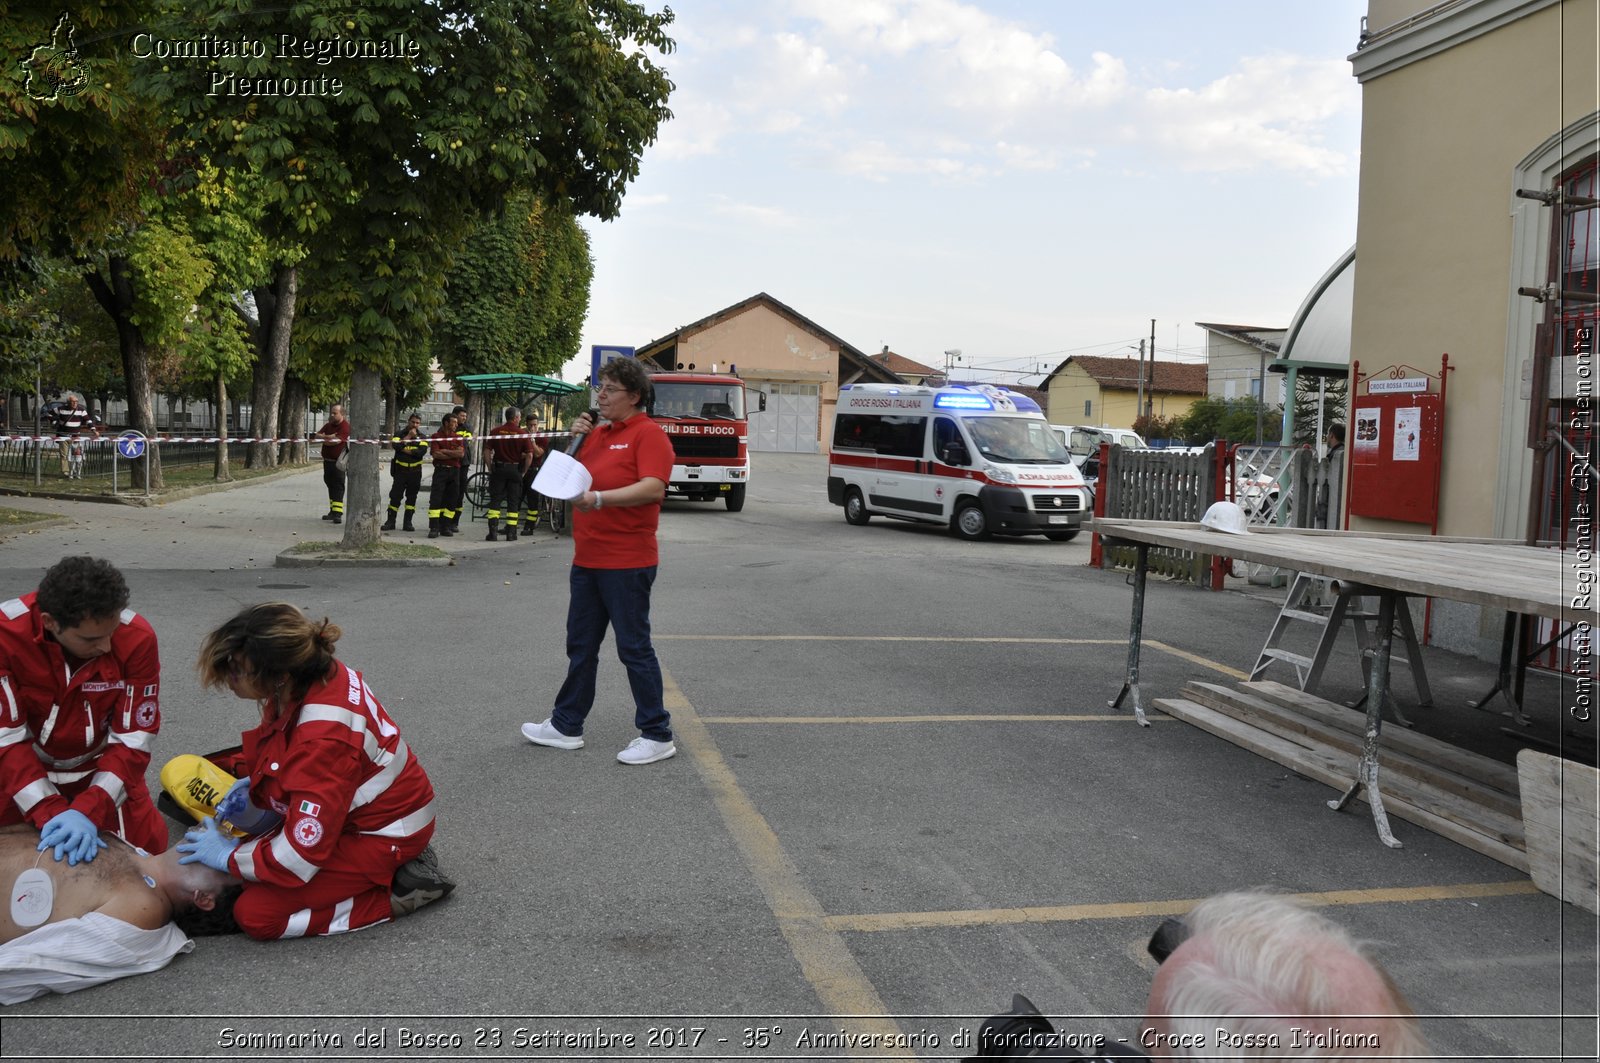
(78, 953)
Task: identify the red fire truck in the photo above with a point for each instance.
(705, 414)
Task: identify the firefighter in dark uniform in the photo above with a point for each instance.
(447, 453)
(458, 500)
(530, 498)
(509, 452)
(405, 471)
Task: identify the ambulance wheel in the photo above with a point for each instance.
(734, 498)
(1062, 536)
(970, 523)
(855, 508)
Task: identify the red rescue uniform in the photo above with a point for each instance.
(356, 805)
(79, 739)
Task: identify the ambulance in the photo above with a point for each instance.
(978, 458)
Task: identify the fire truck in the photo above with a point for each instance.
(705, 416)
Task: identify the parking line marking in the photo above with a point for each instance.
(1192, 658)
(1072, 913)
(891, 638)
(825, 960)
(1120, 717)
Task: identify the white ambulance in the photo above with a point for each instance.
(979, 458)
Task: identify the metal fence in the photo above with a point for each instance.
(18, 457)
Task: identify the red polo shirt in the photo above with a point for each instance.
(620, 455)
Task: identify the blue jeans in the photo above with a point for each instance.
(619, 597)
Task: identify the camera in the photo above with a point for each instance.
(1024, 1033)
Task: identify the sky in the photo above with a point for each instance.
(1017, 180)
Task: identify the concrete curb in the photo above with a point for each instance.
(35, 525)
(289, 559)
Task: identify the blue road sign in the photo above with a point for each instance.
(130, 445)
(599, 356)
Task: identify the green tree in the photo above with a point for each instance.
(1335, 406)
(383, 179)
(80, 145)
(1232, 419)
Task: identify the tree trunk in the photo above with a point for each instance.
(275, 305)
(293, 422)
(115, 296)
(220, 469)
(391, 398)
(361, 482)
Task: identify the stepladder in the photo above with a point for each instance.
(1325, 606)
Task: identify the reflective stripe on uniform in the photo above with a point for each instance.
(405, 826)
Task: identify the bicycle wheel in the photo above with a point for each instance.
(478, 490)
(557, 510)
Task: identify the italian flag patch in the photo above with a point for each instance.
(310, 808)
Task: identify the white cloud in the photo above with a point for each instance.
(755, 214)
(1270, 112)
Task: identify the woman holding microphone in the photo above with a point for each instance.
(614, 558)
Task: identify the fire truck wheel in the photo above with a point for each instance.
(855, 508)
(734, 498)
(970, 523)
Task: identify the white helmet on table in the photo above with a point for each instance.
(1226, 517)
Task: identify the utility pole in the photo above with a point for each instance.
(1140, 406)
(1151, 399)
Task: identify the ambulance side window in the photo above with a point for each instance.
(945, 432)
(901, 437)
(853, 431)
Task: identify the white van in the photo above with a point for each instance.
(1081, 439)
(979, 458)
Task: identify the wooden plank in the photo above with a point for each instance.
(1318, 768)
(1491, 773)
(1309, 732)
(1560, 816)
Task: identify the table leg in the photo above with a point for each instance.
(1377, 692)
(1512, 669)
(1131, 683)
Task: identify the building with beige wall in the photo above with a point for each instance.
(1104, 392)
(1465, 104)
(798, 364)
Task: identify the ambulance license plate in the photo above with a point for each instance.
(1059, 519)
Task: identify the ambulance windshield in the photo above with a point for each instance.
(1017, 441)
(699, 401)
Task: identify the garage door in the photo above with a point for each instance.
(789, 423)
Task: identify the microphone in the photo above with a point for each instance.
(577, 441)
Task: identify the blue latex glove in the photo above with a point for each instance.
(73, 835)
(206, 844)
(235, 801)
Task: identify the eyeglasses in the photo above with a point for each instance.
(611, 389)
(1168, 936)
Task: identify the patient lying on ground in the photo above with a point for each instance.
(70, 927)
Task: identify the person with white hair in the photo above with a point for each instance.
(1261, 976)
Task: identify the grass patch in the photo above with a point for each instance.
(15, 518)
(370, 552)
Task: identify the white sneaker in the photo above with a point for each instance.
(646, 751)
(544, 733)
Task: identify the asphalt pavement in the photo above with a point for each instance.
(899, 798)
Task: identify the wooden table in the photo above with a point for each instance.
(1498, 573)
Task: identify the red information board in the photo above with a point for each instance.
(1395, 438)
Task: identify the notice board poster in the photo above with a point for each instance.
(1407, 433)
(1366, 430)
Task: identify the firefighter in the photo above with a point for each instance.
(530, 498)
(457, 500)
(405, 471)
(510, 453)
(447, 451)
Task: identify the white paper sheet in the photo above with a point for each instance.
(562, 476)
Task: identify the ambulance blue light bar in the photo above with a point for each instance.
(962, 402)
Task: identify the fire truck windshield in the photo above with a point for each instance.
(702, 401)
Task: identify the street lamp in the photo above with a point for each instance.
(952, 355)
